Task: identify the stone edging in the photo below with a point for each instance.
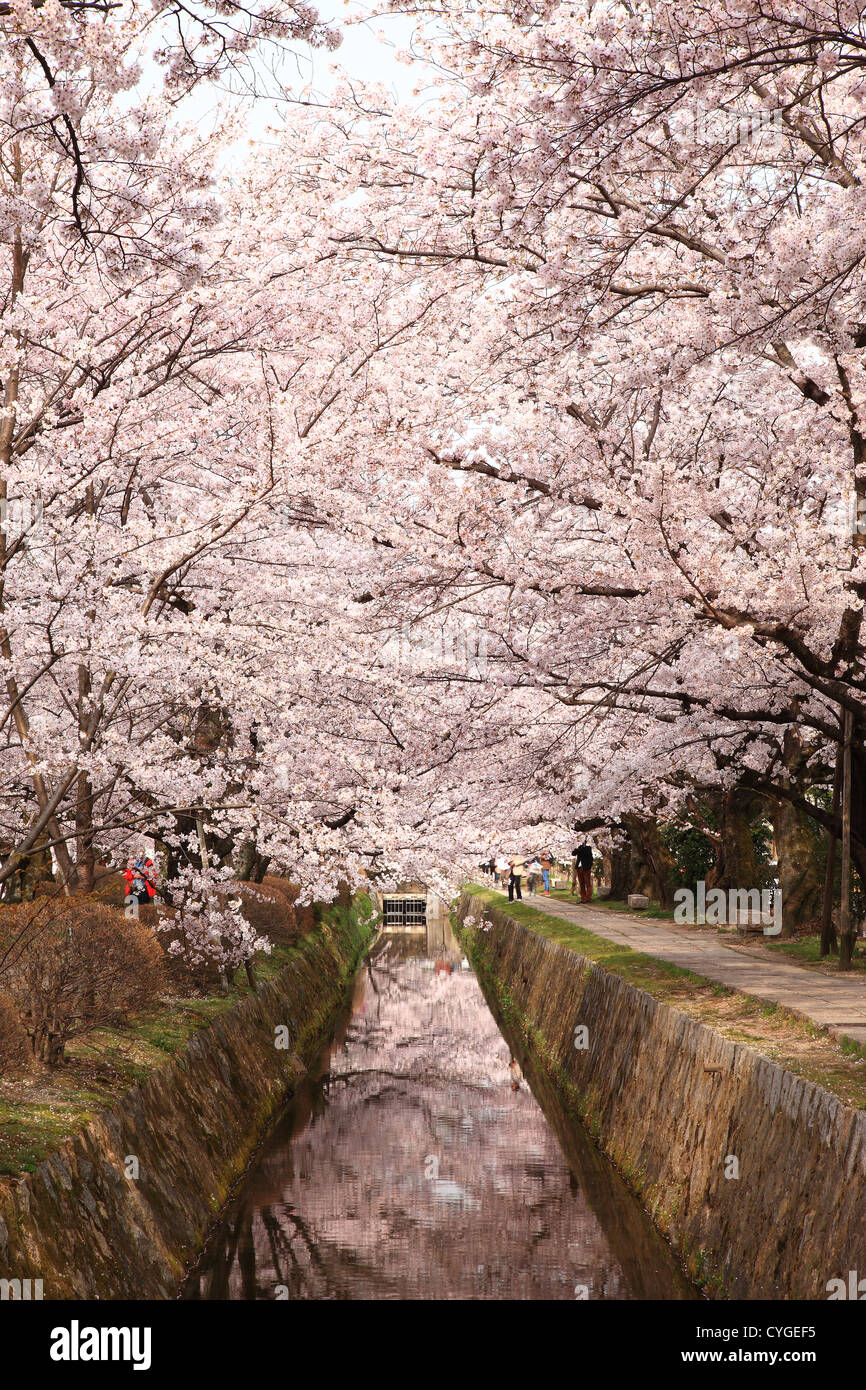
(671, 1101)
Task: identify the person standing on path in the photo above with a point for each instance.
(546, 865)
(503, 870)
(518, 868)
(583, 860)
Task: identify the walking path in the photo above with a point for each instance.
(835, 1002)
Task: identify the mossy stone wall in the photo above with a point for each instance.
(86, 1228)
(672, 1102)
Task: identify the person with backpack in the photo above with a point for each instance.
(583, 866)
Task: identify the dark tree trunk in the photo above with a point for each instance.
(736, 865)
(847, 924)
(261, 867)
(245, 860)
(799, 871)
(652, 864)
(85, 860)
(619, 874)
(33, 876)
(829, 943)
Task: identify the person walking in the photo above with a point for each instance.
(583, 861)
(533, 874)
(546, 866)
(518, 869)
(503, 871)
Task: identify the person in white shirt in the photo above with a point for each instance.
(518, 869)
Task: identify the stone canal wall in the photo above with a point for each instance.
(669, 1100)
(87, 1229)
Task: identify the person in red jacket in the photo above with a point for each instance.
(139, 876)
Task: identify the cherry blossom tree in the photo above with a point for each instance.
(184, 566)
(449, 472)
(632, 420)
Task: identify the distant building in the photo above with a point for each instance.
(405, 909)
(412, 909)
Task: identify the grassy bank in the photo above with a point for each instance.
(795, 1043)
(40, 1109)
(806, 950)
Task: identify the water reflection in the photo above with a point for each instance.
(407, 1167)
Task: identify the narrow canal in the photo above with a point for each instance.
(407, 1167)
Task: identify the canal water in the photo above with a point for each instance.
(407, 1166)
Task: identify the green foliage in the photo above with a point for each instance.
(762, 839)
(693, 852)
(851, 1048)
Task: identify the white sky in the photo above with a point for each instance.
(367, 53)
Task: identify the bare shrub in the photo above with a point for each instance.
(70, 966)
(272, 908)
(14, 1050)
(269, 908)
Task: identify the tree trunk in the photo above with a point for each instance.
(46, 1044)
(85, 859)
(799, 873)
(847, 925)
(245, 860)
(736, 865)
(619, 873)
(829, 942)
(653, 864)
(263, 860)
(33, 873)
